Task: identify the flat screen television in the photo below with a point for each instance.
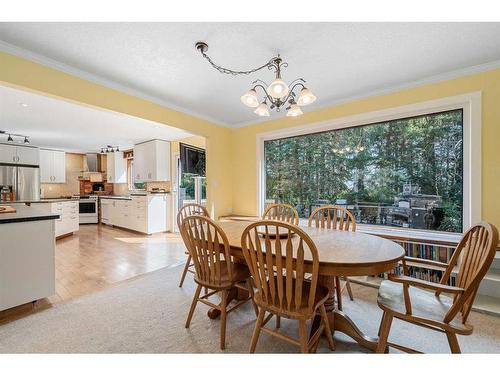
(192, 159)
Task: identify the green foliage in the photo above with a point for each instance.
(371, 163)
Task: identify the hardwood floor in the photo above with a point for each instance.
(98, 256)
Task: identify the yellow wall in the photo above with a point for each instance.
(244, 139)
(74, 165)
(20, 73)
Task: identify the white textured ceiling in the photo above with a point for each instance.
(338, 60)
(66, 126)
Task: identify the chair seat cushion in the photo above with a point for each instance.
(319, 298)
(426, 307)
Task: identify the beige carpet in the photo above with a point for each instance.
(147, 315)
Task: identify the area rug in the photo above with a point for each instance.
(147, 315)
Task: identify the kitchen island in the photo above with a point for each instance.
(27, 250)
(67, 209)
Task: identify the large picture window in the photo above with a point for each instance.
(401, 173)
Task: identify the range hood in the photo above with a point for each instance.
(92, 163)
(92, 168)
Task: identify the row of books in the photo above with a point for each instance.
(427, 274)
(427, 251)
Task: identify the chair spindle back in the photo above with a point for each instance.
(281, 212)
(209, 248)
(278, 265)
(477, 250)
(332, 217)
(190, 209)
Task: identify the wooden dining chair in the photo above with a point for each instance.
(423, 303)
(188, 209)
(279, 268)
(214, 268)
(339, 218)
(281, 212)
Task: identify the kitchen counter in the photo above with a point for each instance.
(43, 200)
(119, 197)
(26, 213)
(129, 197)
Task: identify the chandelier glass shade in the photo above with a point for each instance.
(278, 94)
(250, 98)
(306, 97)
(277, 89)
(294, 111)
(262, 109)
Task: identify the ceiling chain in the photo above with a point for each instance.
(271, 64)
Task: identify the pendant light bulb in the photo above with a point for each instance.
(278, 89)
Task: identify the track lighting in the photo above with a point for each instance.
(11, 135)
(110, 148)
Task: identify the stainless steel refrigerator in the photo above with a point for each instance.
(23, 181)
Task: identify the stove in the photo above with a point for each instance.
(88, 210)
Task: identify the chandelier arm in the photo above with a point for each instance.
(223, 70)
(291, 93)
(297, 84)
(302, 80)
(261, 81)
(265, 92)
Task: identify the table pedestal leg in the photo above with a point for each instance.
(338, 320)
(234, 294)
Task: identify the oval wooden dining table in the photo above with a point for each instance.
(341, 253)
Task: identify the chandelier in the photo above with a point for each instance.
(274, 96)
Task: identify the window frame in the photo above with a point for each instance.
(470, 104)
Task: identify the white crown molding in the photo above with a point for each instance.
(395, 88)
(46, 61)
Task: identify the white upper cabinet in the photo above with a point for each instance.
(19, 155)
(28, 155)
(8, 154)
(45, 166)
(152, 161)
(52, 166)
(116, 167)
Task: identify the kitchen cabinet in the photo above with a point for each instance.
(152, 161)
(25, 155)
(144, 213)
(116, 167)
(105, 211)
(52, 166)
(68, 221)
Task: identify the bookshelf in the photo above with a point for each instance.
(431, 251)
(437, 246)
